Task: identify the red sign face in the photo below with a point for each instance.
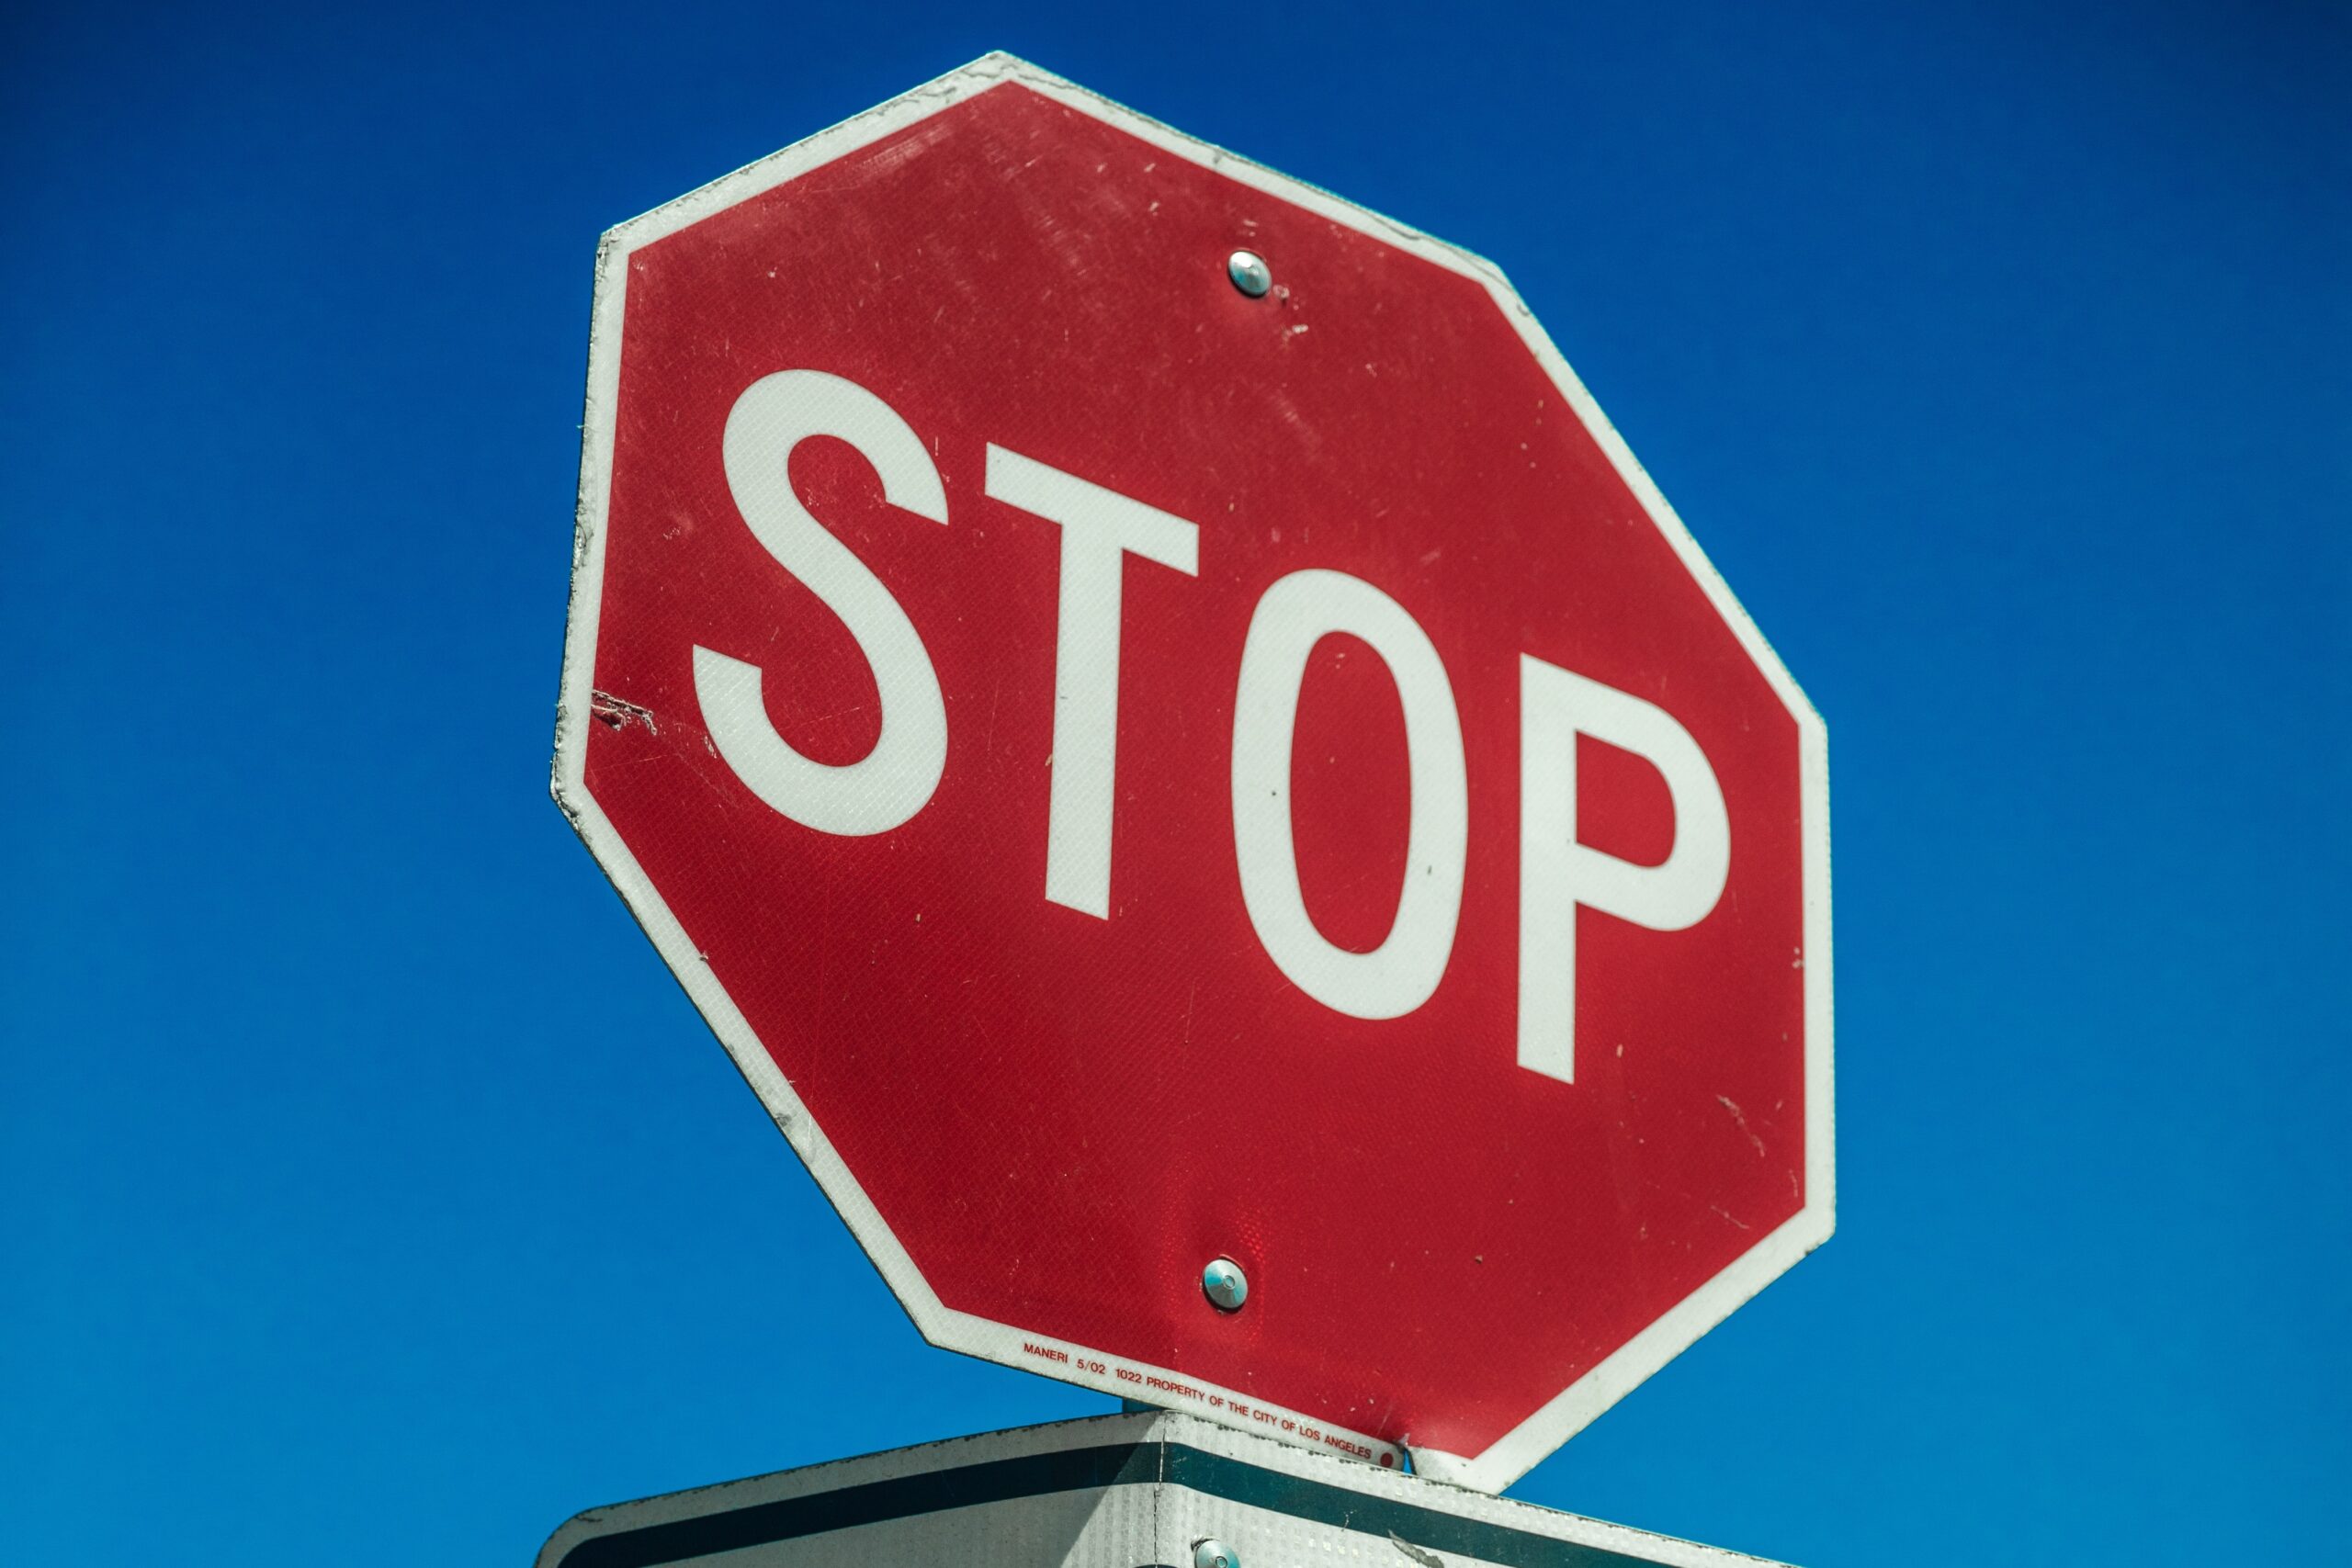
(1165, 733)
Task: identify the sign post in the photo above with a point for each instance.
(1213, 801)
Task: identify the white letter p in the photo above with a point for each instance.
(1556, 873)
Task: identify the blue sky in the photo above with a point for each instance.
(367, 1188)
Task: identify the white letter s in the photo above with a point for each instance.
(896, 779)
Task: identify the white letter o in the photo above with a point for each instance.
(1402, 972)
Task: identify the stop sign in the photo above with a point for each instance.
(1211, 798)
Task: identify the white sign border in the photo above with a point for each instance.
(1575, 1407)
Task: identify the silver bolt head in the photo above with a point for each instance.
(1214, 1554)
(1248, 272)
(1224, 1285)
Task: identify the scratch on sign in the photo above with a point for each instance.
(620, 715)
(1422, 1555)
(1739, 1116)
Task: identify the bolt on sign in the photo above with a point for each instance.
(1211, 798)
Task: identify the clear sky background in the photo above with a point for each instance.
(369, 1192)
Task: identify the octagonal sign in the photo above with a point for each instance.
(1165, 733)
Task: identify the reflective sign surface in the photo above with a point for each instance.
(1144, 774)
